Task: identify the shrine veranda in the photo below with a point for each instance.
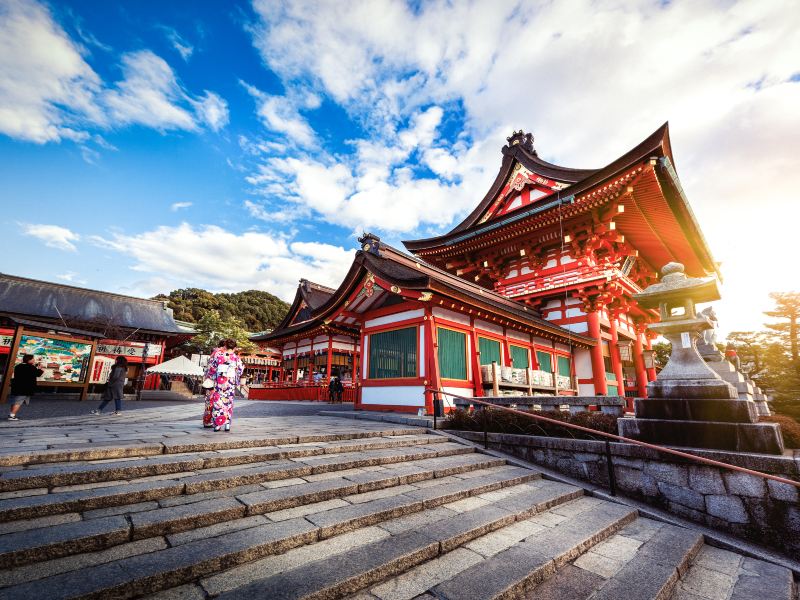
(538, 279)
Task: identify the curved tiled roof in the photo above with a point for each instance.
(20, 296)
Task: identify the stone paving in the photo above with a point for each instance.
(292, 504)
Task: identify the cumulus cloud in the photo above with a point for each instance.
(216, 259)
(280, 114)
(46, 87)
(150, 95)
(53, 236)
(49, 92)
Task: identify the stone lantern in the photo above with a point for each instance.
(689, 404)
(686, 375)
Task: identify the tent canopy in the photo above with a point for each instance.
(180, 365)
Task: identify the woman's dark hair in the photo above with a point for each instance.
(121, 362)
(27, 358)
(229, 343)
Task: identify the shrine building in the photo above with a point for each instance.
(538, 279)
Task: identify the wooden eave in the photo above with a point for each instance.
(672, 226)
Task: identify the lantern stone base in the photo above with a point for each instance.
(726, 411)
(764, 438)
(700, 389)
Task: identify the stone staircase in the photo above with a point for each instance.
(391, 513)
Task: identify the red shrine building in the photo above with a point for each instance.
(537, 280)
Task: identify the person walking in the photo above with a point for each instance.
(115, 386)
(223, 372)
(23, 384)
(335, 390)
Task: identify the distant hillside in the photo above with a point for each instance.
(257, 310)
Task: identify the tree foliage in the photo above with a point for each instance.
(255, 310)
(770, 357)
(211, 328)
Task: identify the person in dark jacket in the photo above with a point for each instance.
(23, 384)
(114, 386)
(335, 389)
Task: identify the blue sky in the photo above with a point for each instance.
(147, 146)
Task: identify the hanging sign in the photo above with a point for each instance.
(128, 349)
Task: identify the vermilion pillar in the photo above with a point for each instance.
(638, 364)
(616, 363)
(330, 359)
(598, 368)
(651, 373)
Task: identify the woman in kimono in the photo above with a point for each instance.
(224, 370)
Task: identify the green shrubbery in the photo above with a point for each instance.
(498, 421)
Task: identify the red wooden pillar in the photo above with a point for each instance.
(616, 363)
(431, 359)
(598, 367)
(294, 366)
(638, 363)
(477, 378)
(651, 373)
(330, 359)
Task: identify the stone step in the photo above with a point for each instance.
(202, 442)
(409, 551)
(76, 473)
(147, 573)
(523, 565)
(142, 491)
(722, 574)
(647, 572)
(30, 545)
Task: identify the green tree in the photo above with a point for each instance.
(257, 310)
(211, 328)
(787, 310)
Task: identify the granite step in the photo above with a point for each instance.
(75, 473)
(202, 442)
(138, 490)
(511, 572)
(148, 573)
(402, 562)
(721, 574)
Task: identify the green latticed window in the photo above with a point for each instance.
(393, 354)
(545, 360)
(613, 390)
(490, 351)
(563, 366)
(452, 354)
(519, 356)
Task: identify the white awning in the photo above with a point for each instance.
(180, 365)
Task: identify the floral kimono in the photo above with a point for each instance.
(224, 369)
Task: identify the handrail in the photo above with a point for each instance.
(694, 457)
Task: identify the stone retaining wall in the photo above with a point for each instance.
(767, 512)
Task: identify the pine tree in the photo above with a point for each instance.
(787, 308)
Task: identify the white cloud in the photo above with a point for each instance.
(46, 86)
(182, 47)
(71, 277)
(149, 94)
(49, 92)
(53, 236)
(280, 115)
(176, 206)
(216, 259)
(212, 110)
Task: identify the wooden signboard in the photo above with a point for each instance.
(66, 361)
